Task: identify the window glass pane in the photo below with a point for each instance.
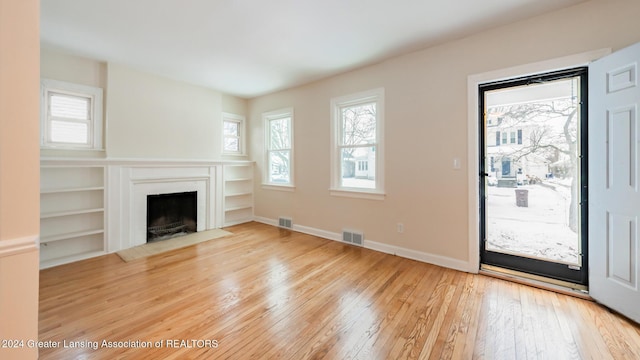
(279, 133)
(279, 167)
(231, 144)
(359, 124)
(69, 132)
(70, 107)
(358, 167)
(231, 128)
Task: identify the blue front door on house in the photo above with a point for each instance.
(506, 167)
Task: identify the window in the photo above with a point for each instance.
(71, 116)
(519, 137)
(504, 137)
(279, 147)
(513, 137)
(233, 134)
(357, 156)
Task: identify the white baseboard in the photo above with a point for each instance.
(418, 256)
(438, 260)
(20, 245)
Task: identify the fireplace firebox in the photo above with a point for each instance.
(171, 215)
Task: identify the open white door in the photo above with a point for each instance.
(614, 191)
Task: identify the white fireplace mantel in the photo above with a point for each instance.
(130, 186)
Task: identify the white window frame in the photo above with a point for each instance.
(365, 97)
(267, 117)
(94, 135)
(240, 120)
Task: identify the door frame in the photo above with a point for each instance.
(547, 269)
(473, 106)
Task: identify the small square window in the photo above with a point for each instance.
(232, 134)
(71, 116)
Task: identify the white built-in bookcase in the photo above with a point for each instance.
(72, 213)
(238, 193)
(89, 207)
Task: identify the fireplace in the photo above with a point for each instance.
(171, 215)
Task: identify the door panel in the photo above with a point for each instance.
(613, 194)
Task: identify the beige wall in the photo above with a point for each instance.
(58, 65)
(152, 117)
(426, 128)
(19, 173)
(147, 116)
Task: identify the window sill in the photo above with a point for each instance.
(289, 188)
(359, 194)
(70, 148)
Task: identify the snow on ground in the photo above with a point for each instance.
(539, 230)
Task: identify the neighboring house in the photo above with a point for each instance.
(511, 153)
(365, 165)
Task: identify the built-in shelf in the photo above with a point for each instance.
(69, 213)
(236, 208)
(78, 234)
(72, 217)
(240, 179)
(64, 190)
(238, 193)
(68, 259)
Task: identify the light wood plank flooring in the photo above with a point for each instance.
(267, 293)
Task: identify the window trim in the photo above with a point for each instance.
(266, 118)
(337, 103)
(241, 120)
(95, 128)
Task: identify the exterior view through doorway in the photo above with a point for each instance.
(533, 176)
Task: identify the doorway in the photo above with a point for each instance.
(533, 176)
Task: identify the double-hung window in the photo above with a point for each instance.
(71, 116)
(279, 148)
(357, 146)
(232, 134)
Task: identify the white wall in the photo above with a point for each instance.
(426, 128)
(19, 174)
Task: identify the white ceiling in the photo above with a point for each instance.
(252, 47)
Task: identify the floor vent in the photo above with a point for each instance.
(284, 222)
(352, 237)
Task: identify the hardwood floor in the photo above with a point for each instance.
(268, 293)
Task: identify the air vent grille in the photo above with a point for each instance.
(285, 222)
(352, 237)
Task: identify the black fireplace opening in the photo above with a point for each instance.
(171, 215)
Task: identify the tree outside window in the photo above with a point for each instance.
(279, 142)
(357, 158)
